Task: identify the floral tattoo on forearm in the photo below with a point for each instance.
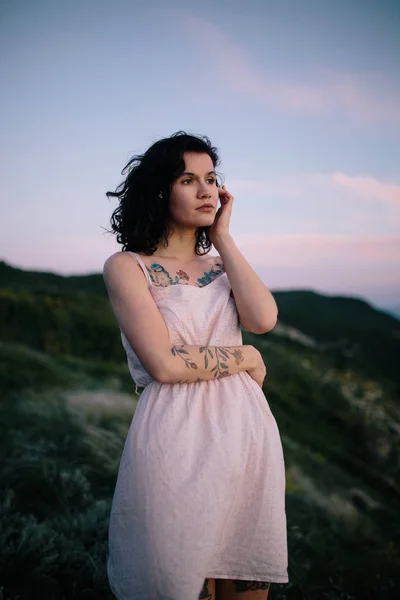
(220, 369)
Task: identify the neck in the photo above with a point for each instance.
(181, 247)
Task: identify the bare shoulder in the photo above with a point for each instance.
(114, 262)
(120, 265)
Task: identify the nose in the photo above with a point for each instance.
(204, 191)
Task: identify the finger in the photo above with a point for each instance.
(224, 192)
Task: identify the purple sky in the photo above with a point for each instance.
(302, 100)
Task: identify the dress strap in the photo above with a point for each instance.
(142, 266)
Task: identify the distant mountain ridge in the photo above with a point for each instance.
(348, 327)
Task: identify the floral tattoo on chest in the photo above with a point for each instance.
(160, 277)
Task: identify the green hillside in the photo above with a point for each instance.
(13, 278)
(348, 328)
(68, 400)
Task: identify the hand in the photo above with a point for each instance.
(258, 372)
(220, 227)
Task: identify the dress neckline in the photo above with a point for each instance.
(184, 285)
(175, 285)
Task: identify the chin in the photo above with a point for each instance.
(205, 216)
(205, 223)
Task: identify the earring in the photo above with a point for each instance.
(160, 195)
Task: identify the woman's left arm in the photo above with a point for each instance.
(256, 306)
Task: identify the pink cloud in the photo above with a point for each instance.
(363, 186)
(368, 187)
(360, 266)
(363, 96)
(334, 251)
(366, 267)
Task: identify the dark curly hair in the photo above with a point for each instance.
(142, 219)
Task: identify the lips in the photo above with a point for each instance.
(205, 206)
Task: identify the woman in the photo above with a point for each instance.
(199, 505)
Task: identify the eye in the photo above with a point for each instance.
(209, 179)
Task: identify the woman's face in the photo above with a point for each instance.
(197, 186)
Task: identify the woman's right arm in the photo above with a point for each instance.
(147, 333)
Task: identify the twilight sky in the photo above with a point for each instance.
(302, 100)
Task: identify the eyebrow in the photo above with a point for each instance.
(193, 175)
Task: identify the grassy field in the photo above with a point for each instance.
(66, 407)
